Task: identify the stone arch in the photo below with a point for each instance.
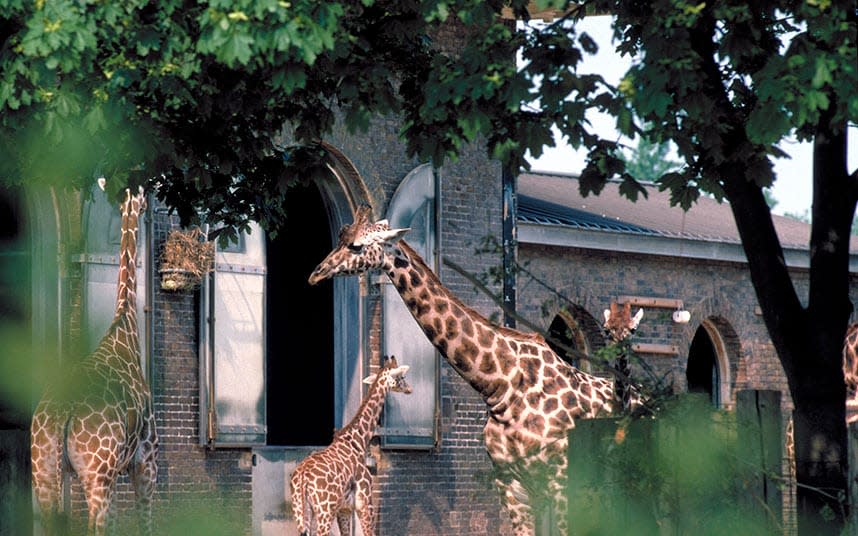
(715, 334)
(573, 326)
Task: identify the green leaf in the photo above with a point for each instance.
(767, 124)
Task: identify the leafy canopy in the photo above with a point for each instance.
(198, 97)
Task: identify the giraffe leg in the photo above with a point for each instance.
(94, 459)
(515, 499)
(557, 489)
(344, 522)
(296, 484)
(324, 521)
(363, 500)
(46, 451)
(144, 474)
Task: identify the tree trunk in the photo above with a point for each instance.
(808, 341)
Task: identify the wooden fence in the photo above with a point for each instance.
(692, 470)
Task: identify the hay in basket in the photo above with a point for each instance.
(187, 257)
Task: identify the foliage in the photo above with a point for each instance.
(648, 161)
(680, 472)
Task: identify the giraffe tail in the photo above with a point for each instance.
(301, 508)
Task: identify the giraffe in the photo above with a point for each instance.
(533, 396)
(850, 372)
(98, 419)
(619, 326)
(336, 481)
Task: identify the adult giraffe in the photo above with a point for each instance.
(533, 396)
(98, 418)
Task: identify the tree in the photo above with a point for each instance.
(192, 97)
(648, 161)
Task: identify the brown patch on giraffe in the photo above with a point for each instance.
(487, 363)
(441, 307)
(550, 405)
(533, 399)
(416, 280)
(424, 295)
(549, 385)
(534, 421)
(529, 349)
(530, 367)
(467, 326)
(484, 336)
(466, 355)
(452, 328)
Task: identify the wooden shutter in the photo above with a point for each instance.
(232, 357)
(410, 420)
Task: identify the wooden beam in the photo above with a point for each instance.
(642, 301)
(649, 348)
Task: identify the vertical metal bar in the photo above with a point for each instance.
(509, 237)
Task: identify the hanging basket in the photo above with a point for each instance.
(187, 257)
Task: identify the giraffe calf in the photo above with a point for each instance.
(335, 481)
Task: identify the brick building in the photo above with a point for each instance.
(255, 369)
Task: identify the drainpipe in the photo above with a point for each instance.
(509, 244)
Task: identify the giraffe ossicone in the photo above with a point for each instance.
(532, 395)
(335, 482)
(98, 418)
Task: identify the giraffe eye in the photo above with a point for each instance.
(355, 248)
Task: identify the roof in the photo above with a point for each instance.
(555, 199)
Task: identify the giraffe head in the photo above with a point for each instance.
(619, 323)
(362, 246)
(391, 377)
(132, 204)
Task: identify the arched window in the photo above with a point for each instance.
(409, 421)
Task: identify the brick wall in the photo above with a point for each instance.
(448, 490)
(718, 292)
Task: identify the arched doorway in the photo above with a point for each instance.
(300, 335)
(573, 333)
(702, 372)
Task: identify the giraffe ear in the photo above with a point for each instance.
(607, 315)
(370, 379)
(637, 318)
(393, 235)
(384, 235)
(400, 370)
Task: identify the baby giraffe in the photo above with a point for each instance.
(335, 481)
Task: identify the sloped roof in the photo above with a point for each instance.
(554, 199)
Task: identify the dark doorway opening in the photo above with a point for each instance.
(300, 349)
(566, 341)
(16, 398)
(702, 373)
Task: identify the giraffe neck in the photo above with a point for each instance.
(125, 318)
(361, 428)
(478, 350)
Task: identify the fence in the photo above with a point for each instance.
(692, 470)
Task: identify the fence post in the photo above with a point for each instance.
(760, 448)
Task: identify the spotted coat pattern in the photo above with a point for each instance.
(97, 419)
(619, 326)
(533, 396)
(335, 482)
